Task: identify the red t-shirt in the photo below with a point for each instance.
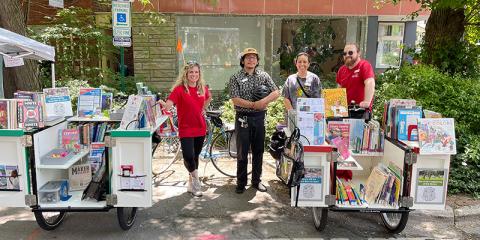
(353, 80)
(191, 122)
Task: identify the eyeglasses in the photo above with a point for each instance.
(349, 53)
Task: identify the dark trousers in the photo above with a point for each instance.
(250, 137)
(191, 148)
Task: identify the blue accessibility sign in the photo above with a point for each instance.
(121, 17)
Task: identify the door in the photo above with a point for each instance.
(131, 168)
(14, 169)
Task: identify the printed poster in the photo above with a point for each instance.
(431, 186)
(311, 186)
(311, 120)
(89, 102)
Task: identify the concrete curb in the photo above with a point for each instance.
(468, 211)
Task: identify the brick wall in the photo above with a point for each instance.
(154, 49)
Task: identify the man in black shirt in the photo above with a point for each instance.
(250, 116)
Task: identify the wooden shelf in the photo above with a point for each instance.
(75, 201)
(66, 164)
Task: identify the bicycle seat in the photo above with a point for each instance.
(214, 113)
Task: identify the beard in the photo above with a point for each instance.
(350, 61)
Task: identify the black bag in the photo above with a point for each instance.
(277, 144)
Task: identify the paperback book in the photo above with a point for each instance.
(335, 102)
(437, 136)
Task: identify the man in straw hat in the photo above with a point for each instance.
(251, 90)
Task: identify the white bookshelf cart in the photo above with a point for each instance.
(123, 147)
(321, 195)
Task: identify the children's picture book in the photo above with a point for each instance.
(335, 102)
(311, 185)
(58, 102)
(13, 177)
(437, 136)
(4, 115)
(30, 114)
(89, 102)
(431, 114)
(79, 176)
(356, 133)
(96, 155)
(338, 129)
(406, 118)
(374, 184)
(349, 164)
(389, 119)
(3, 171)
(431, 186)
(70, 139)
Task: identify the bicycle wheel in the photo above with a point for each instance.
(395, 222)
(49, 220)
(223, 154)
(320, 216)
(165, 154)
(126, 217)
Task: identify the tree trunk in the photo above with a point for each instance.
(445, 28)
(12, 18)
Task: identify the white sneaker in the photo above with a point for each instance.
(196, 184)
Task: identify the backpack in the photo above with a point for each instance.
(277, 144)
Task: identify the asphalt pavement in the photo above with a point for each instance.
(223, 214)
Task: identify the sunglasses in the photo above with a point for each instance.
(349, 53)
(191, 64)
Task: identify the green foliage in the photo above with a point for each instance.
(79, 46)
(453, 96)
(275, 115)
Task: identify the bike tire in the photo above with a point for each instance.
(49, 222)
(222, 157)
(167, 153)
(126, 217)
(320, 216)
(395, 222)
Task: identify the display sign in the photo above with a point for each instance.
(13, 62)
(56, 3)
(121, 14)
(122, 32)
(122, 42)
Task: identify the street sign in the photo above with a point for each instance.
(122, 32)
(121, 14)
(122, 42)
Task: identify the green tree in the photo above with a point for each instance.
(445, 44)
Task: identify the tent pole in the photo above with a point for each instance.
(53, 75)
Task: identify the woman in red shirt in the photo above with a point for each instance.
(191, 96)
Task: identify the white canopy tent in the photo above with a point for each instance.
(17, 46)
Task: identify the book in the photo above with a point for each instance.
(132, 111)
(89, 102)
(356, 133)
(338, 129)
(95, 157)
(437, 136)
(335, 102)
(3, 171)
(374, 184)
(70, 139)
(30, 114)
(4, 115)
(389, 120)
(58, 102)
(349, 164)
(13, 179)
(431, 114)
(406, 117)
(107, 103)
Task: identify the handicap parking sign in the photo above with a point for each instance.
(121, 17)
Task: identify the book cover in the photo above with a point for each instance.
(13, 177)
(335, 102)
(4, 115)
(70, 139)
(131, 114)
(338, 129)
(431, 114)
(58, 102)
(31, 114)
(374, 184)
(89, 102)
(107, 102)
(3, 171)
(406, 117)
(437, 136)
(356, 133)
(390, 119)
(79, 176)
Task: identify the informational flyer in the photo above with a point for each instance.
(311, 187)
(89, 102)
(431, 186)
(311, 120)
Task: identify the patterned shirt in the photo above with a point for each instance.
(292, 91)
(242, 85)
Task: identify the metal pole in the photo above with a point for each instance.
(53, 75)
(122, 69)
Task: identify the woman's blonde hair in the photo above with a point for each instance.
(182, 79)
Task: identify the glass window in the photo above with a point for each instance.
(390, 40)
(216, 43)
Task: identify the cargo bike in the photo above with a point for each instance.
(422, 179)
(25, 149)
